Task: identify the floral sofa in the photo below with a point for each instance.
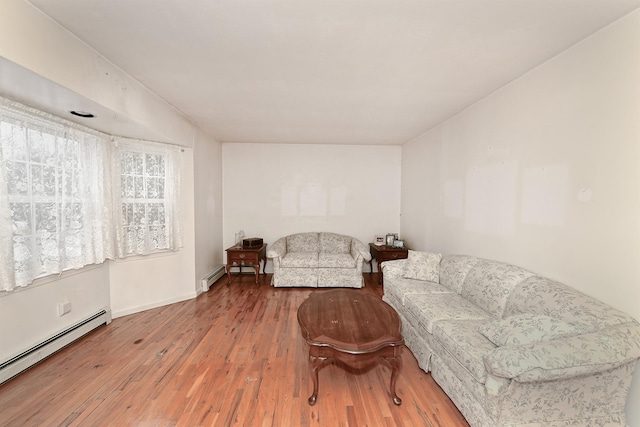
(318, 260)
(512, 348)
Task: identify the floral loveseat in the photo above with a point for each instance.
(512, 348)
(318, 260)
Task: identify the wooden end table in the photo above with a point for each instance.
(353, 327)
(385, 253)
(242, 256)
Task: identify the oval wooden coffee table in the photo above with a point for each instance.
(353, 327)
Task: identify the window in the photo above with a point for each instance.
(149, 184)
(51, 193)
(70, 196)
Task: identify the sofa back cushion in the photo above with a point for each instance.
(303, 242)
(541, 296)
(489, 284)
(335, 243)
(454, 269)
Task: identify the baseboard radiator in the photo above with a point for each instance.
(35, 354)
(211, 279)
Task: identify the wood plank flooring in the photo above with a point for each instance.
(232, 356)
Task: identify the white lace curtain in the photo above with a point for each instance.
(71, 197)
(148, 178)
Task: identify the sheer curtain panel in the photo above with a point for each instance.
(55, 210)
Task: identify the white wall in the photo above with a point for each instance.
(208, 206)
(272, 190)
(544, 173)
(30, 315)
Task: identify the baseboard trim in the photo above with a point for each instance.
(138, 309)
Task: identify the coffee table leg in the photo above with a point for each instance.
(396, 364)
(316, 363)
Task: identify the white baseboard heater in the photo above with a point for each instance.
(211, 279)
(35, 354)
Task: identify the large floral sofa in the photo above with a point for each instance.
(512, 348)
(318, 259)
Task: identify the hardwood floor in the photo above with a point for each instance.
(232, 356)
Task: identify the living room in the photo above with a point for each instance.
(541, 173)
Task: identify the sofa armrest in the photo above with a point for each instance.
(393, 268)
(278, 249)
(358, 249)
(566, 357)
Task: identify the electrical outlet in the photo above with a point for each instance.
(64, 307)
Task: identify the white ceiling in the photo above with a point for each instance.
(328, 71)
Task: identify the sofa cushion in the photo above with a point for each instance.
(525, 329)
(539, 295)
(423, 266)
(460, 338)
(303, 242)
(454, 269)
(299, 259)
(335, 243)
(400, 287)
(327, 260)
(489, 283)
(429, 308)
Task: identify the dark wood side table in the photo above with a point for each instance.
(385, 253)
(241, 256)
(353, 327)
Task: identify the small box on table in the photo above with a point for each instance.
(252, 242)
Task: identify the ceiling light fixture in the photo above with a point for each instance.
(82, 114)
